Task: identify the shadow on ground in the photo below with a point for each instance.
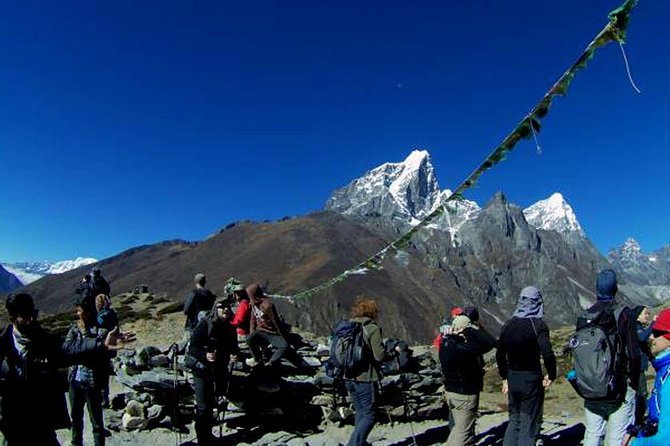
(559, 435)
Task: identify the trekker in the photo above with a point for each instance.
(32, 398)
(213, 345)
(89, 377)
(98, 284)
(107, 319)
(656, 431)
(84, 286)
(641, 316)
(267, 329)
(445, 327)
(242, 319)
(364, 388)
(463, 374)
(523, 340)
(200, 299)
(610, 418)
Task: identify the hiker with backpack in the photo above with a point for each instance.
(607, 365)
(213, 345)
(98, 283)
(200, 300)
(106, 319)
(523, 339)
(357, 350)
(656, 430)
(463, 374)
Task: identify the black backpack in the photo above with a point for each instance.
(349, 353)
(597, 351)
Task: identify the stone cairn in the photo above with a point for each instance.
(160, 393)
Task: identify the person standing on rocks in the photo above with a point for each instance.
(98, 284)
(656, 431)
(463, 374)
(641, 316)
(200, 299)
(364, 389)
(90, 376)
(106, 319)
(213, 345)
(610, 418)
(523, 340)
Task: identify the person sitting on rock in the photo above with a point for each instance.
(242, 319)
(267, 329)
(200, 300)
(213, 345)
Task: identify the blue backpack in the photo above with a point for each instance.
(349, 353)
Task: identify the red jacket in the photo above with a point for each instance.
(242, 317)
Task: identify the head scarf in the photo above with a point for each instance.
(529, 303)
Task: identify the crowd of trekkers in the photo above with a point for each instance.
(611, 347)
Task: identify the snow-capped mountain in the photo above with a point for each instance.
(555, 214)
(647, 269)
(404, 192)
(28, 272)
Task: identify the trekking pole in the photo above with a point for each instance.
(406, 407)
(177, 436)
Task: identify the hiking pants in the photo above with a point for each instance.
(463, 412)
(281, 348)
(364, 398)
(35, 435)
(610, 423)
(204, 411)
(525, 399)
(81, 395)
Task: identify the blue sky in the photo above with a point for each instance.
(126, 123)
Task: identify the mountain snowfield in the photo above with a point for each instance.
(408, 191)
(28, 272)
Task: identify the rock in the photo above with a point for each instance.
(130, 422)
(160, 360)
(135, 408)
(154, 412)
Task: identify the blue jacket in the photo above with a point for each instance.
(659, 404)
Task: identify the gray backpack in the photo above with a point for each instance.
(597, 351)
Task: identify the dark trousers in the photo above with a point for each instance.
(259, 338)
(30, 437)
(92, 398)
(204, 400)
(364, 398)
(525, 399)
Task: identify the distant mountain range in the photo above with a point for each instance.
(28, 272)
(470, 255)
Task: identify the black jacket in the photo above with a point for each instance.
(522, 342)
(200, 299)
(461, 367)
(208, 335)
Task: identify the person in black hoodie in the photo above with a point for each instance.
(523, 340)
(641, 316)
(213, 345)
(462, 369)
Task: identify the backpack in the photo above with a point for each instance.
(396, 356)
(349, 353)
(597, 351)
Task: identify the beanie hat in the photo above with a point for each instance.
(460, 323)
(87, 303)
(200, 278)
(456, 311)
(472, 313)
(662, 323)
(606, 285)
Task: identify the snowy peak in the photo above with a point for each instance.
(554, 214)
(406, 190)
(28, 272)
